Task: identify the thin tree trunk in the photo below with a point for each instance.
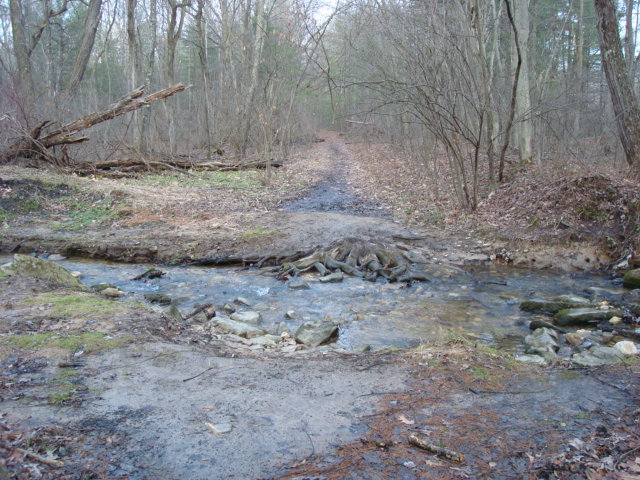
(202, 55)
(625, 103)
(523, 129)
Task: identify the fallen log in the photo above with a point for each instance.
(423, 442)
(37, 144)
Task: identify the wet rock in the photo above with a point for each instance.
(76, 274)
(537, 359)
(228, 308)
(632, 279)
(291, 314)
(332, 278)
(574, 339)
(542, 341)
(26, 266)
(245, 330)
(598, 293)
(175, 314)
(112, 292)
(150, 274)
(242, 301)
(298, 284)
(247, 317)
(316, 334)
(537, 323)
(99, 287)
(615, 320)
(626, 347)
(159, 298)
(263, 341)
(596, 356)
(582, 316)
(56, 257)
(555, 304)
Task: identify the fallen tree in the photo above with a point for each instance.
(40, 143)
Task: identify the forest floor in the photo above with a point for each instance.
(100, 389)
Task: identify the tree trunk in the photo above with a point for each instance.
(625, 103)
(21, 50)
(522, 130)
(86, 47)
(202, 55)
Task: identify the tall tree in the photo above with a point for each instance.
(625, 103)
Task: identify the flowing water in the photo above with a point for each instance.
(482, 302)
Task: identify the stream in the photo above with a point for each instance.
(480, 302)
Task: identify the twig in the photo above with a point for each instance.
(422, 442)
(201, 373)
(625, 455)
(34, 456)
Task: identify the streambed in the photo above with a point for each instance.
(481, 302)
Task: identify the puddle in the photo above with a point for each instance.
(482, 302)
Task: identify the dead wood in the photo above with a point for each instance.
(33, 456)
(37, 144)
(422, 442)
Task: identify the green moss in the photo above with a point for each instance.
(74, 305)
(90, 342)
(480, 372)
(5, 215)
(64, 393)
(260, 232)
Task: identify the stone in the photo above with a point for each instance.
(27, 266)
(247, 317)
(159, 298)
(298, 284)
(175, 314)
(56, 257)
(316, 334)
(112, 292)
(76, 274)
(541, 341)
(542, 323)
(574, 339)
(555, 304)
(242, 301)
(290, 314)
(263, 341)
(98, 287)
(581, 316)
(537, 359)
(228, 308)
(632, 279)
(626, 347)
(332, 278)
(227, 325)
(598, 293)
(615, 320)
(596, 356)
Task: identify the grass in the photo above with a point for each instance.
(241, 179)
(260, 232)
(90, 342)
(86, 214)
(74, 305)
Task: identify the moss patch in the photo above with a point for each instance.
(90, 342)
(74, 305)
(260, 232)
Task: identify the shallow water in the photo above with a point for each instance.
(482, 302)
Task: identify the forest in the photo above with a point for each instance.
(325, 239)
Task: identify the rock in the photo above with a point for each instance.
(543, 323)
(228, 308)
(175, 314)
(332, 278)
(263, 341)
(56, 257)
(581, 316)
(615, 320)
(598, 294)
(555, 304)
(76, 274)
(112, 292)
(626, 347)
(242, 301)
(247, 317)
(531, 359)
(574, 339)
(219, 428)
(634, 308)
(226, 325)
(632, 279)
(291, 314)
(98, 287)
(542, 341)
(298, 284)
(596, 356)
(26, 266)
(316, 334)
(159, 298)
